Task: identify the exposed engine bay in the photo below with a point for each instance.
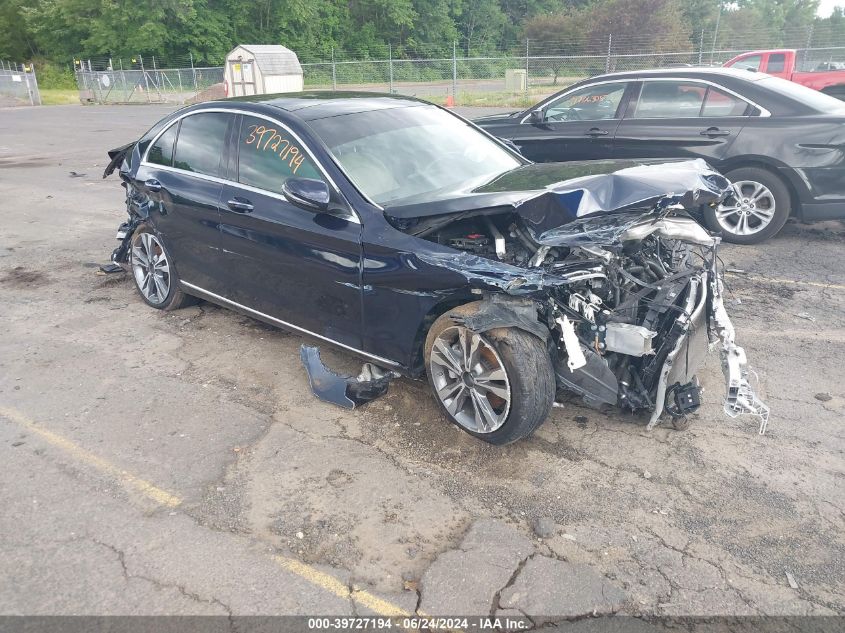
(621, 282)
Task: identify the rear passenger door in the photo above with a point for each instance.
(181, 176)
(680, 119)
(298, 266)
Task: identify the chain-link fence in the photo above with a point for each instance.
(519, 74)
(146, 80)
(18, 85)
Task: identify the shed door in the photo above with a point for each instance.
(243, 77)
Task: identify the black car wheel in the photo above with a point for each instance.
(498, 386)
(757, 210)
(153, 272)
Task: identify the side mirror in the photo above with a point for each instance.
(537, 116)
(307, 193)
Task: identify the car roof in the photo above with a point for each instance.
(691, 72)
(320, 104)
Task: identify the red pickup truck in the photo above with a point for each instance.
(825, 75)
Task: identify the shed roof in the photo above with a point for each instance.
(273, 59)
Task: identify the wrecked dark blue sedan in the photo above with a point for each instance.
(399, 231)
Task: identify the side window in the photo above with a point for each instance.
(202, 138)
(161, 153)
(777, 62)
(719, 103)
(268, 155)
(592, 103)
(752, 62)
(669, 100)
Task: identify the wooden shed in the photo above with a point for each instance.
(262, 69)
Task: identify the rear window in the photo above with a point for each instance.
(202, 139)
(808, 97)
(777, 62)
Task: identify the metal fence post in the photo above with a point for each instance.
(334, 72)
(123, 79)
(609, 46)
(146, 82)
(455, 72)
(194, 73)
(701, 47)
(526, 66)
(28, 87)
(390, 66)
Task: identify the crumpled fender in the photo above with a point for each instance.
(501, 311)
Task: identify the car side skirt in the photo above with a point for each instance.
(261, 316)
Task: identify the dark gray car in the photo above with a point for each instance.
(782, 145)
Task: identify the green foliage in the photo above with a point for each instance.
(61, 30)
(54, 76)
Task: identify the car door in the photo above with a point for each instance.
(577, 125)
(180, 174)
(295, 265)
(680, 118)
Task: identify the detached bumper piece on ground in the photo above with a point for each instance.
(345, 391)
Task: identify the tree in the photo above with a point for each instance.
(637, 25)
(559, 34)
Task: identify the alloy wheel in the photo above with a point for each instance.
(749, 210)
(151, 268)
(470, 380)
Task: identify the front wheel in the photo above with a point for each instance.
(498, 386)
(756, 210)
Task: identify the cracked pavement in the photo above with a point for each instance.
(387, 504)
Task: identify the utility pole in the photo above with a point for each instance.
(716, 34)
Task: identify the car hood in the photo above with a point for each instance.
(504, 189)
(550, 195)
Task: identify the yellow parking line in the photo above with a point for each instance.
(315, 577)
(778, 280)
(144, 487)
(333, 585)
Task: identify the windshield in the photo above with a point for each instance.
(814, 99)
(415, 153)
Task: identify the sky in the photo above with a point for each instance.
(826, 7)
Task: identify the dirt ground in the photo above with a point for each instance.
(177, 462)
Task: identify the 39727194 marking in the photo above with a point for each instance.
(349, 624)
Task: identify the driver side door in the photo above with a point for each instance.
(577, 125)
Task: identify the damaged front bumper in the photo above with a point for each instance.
(741, 398)
(705, 325)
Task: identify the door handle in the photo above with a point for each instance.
(239, 205)
(594, 131)
(152, 184)
(713, 132)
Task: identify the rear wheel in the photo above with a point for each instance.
(152, 269)
(498, 386)
(758, 208)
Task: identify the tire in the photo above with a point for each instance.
(529, 379)
(161, 289)
(749, 217)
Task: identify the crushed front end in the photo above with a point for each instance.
(622, 281)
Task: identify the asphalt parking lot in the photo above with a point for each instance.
(176, 463)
